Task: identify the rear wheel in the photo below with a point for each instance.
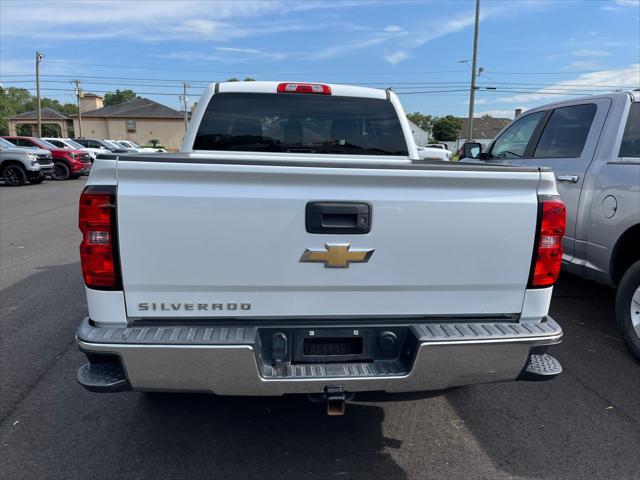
(61, 171)
(628, 308)
(14, 175)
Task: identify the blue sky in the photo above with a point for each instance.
(532, 52)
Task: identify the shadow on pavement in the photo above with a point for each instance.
(583, 424)
(267, 438)
(38, 319)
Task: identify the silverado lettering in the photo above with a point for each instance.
(143, 307)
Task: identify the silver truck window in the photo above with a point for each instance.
(630, 146)
(300, 123)
(513, 142)
(566, 132)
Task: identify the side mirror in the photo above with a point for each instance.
(470, 150)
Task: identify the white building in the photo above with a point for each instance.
(419, 135)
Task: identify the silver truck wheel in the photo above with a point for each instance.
(635, 311)
(628, 308)
(14, 175)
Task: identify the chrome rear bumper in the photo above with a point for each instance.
(227, 360)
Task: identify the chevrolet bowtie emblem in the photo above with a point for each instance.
(336, 255)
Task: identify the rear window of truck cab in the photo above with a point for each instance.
(300, 123)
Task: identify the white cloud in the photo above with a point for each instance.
(581, 65)
(345, 48)
(615, 5)
(393, 28)
(224, 54)
(590, 53)
(238, 50)
(396, 57)
(497, 113)
(627, 77)
(150, 21)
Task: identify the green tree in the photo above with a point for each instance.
(249, 79)
(232, 79)
(423, 121)
(120, 96)
(53, 104)
(486, 116)
(12, 101)
(19, 100)
(446, 128)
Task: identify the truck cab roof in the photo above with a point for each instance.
(336, 89)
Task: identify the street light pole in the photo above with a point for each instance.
(472, 93)
(39, 57)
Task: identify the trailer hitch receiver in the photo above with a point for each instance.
(336, 400)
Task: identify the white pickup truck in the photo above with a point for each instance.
(299, 245)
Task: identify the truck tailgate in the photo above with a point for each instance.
(217, 239)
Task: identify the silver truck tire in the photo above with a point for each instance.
(628, 309)
(14, 175)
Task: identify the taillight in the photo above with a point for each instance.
(98, 250)
(304, 88)
(547, 257)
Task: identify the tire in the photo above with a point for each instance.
(61, 171)
(14, 175)
(628, 309)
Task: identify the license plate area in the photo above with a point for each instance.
(339, 346)
(332, 345)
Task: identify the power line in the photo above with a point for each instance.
(395, 86)
(540, 92)
(246, 72)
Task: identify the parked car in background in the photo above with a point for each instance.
(67, 163)
(19, 165)
(119, 146)
(428, 153)
(441, 146)
(593, 146)
(138, 148)
(70, 144)
(100, 145)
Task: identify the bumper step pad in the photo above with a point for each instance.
(103, 377)
(322, 370)
(541, 367)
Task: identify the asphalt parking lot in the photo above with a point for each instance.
(584, 424)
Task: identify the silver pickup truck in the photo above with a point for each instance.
(593, 146)
(19, 165)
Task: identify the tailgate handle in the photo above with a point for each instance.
(338, 217)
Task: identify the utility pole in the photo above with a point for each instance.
(185, 98)
(78, 95)
(472, 93)
(39, 57)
